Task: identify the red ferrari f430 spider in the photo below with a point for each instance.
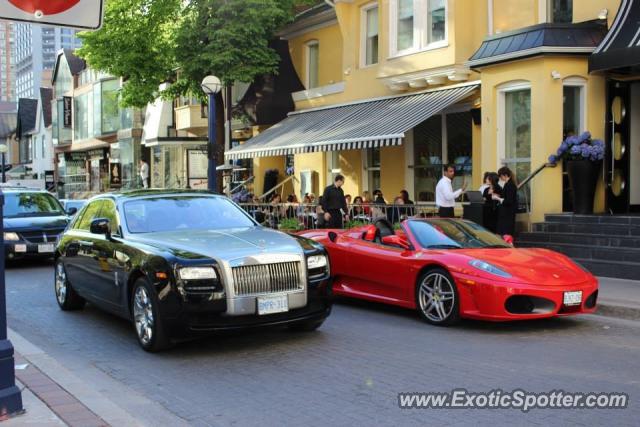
(449, 269)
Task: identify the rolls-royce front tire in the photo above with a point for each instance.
(147, 322)
(68, 299)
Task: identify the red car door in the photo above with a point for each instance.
(380, 272)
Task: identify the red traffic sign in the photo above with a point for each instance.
(81, 14)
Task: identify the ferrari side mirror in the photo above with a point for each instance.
(395, 240)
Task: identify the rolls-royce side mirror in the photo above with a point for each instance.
(333, 236)
(100, 226)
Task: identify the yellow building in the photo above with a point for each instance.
(397, 88)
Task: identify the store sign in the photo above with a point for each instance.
(97, 154)
(197, 166)
(75, 156)
(67, 102)
(115, 175)
(81, 14)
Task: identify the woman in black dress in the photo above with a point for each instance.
(490, 215)
(507, 203)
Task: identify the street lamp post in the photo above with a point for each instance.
(10, 396)
(211, 86)
(3, 149)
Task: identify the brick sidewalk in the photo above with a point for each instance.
(62, 403)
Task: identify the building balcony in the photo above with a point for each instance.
(189, 118)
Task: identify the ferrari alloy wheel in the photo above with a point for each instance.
(66, 296)
(147, 323)
(437, 297)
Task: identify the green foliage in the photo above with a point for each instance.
(146, 41)
(354, 224)
(289, 224)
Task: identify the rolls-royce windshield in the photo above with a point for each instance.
(152, 215)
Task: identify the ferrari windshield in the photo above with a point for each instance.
(453, 234)
(31, 204)
(159, 214)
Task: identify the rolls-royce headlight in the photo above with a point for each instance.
(197, 273)
(489, 268)
(316, 261)
(10, 236)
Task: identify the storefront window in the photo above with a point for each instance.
(517, 129)
(74, 173)
(572, 110)
(129, 155)
(459, 145)
(82, 125)
(373, 169)
(427, 142)
(110, 109)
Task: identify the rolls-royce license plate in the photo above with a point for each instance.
(271, 305)
(45, 248)
(572, 298)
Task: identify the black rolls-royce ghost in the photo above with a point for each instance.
(183, 263)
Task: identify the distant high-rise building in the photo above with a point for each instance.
(35, 51)
(7, 66)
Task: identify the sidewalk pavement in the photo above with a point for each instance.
(53, 396)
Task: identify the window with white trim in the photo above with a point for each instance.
(313, 64)
(417, 25)
(573, 107)
(370, 35)
(514, 132)
(560, 11)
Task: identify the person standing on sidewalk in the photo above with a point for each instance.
(445, 196)
(144, 173)
(334, 203)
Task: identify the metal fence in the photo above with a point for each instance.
(298, 216)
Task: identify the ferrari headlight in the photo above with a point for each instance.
(488, 268)
(197, 273)
(316, 261)
(10, 236)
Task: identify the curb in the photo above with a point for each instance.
(626, 312)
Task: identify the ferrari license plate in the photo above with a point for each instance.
(573, 298)
(271, 305)
(46, 248)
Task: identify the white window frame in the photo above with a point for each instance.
(366, 169)
(333, 165)
(308, 46)
(581, 83)
(501, 135)
(363, 34)
(420, 33)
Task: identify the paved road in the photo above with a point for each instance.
(347, 373)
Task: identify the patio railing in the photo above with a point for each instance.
(298, 216)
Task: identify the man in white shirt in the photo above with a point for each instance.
(144, 173)
(445, 196)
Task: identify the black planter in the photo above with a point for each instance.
(583, 177)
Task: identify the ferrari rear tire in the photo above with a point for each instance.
(146, 318)
(68, 299)
(437, 297)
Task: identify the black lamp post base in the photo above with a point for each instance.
(10, 395)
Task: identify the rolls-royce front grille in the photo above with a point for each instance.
(42, 236)
(267, 278)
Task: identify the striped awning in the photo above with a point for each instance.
(364, 124)
(620, 49)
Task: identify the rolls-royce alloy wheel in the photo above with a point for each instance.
(437, 297)
(67, 297)
(148, 324)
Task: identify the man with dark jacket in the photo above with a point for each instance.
(334, 204)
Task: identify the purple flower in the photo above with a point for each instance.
(553, 159)
(575, 150)
(572, 140)
(584, 137)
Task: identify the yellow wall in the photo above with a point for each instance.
(330, 45)
(513, 14)
(314, 162)
(586, 10)
(546, 120)
(262, 164)
(351, 168)
(392, 167)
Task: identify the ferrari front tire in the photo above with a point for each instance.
(437, 297)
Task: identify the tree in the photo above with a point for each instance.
(146, 41)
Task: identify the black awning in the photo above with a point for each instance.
(541, 39)
(620, 49)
